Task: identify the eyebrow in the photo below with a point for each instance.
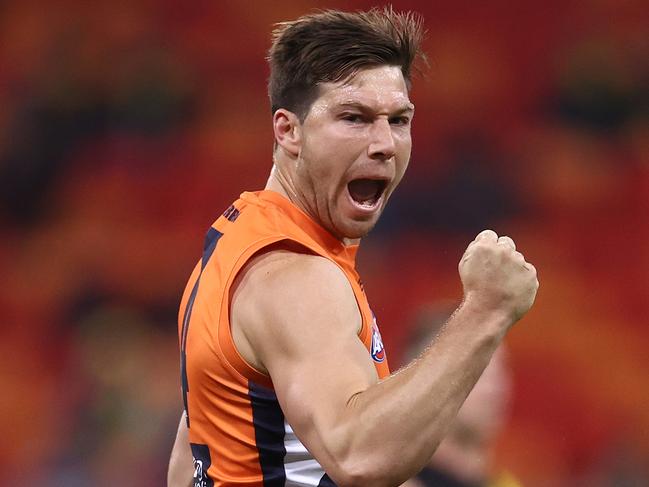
(406, 108)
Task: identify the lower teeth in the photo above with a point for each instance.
(367, 203)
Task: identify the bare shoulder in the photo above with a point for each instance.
(288, 292)
(288, 261)
(288, 270)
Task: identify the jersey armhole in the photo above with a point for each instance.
(236, 362)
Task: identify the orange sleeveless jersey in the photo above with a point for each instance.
(237, 431)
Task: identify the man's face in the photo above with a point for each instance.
(354, 150)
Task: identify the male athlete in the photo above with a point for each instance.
(284, 376)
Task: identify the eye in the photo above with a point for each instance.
(404, 120)
(352, 117)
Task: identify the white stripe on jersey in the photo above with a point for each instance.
(302, 470)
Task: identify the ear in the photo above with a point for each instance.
(288, 131)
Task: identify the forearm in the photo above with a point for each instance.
(392, 428)
(365, 432)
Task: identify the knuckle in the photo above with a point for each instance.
(487, 233)
(484, 248)
(503, 249)
(475, 246)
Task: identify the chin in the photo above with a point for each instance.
(356, 230)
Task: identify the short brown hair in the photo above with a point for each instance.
(331, 46)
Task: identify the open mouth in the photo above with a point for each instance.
(366, 192)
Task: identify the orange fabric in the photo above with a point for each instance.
(218, 378)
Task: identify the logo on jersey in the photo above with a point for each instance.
(199, 474)
(202, 462)
(377, 350)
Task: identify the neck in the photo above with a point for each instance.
(279, 183)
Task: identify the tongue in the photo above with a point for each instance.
(364, 191)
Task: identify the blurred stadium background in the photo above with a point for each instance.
(127, 127)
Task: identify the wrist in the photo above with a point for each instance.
(492, 319)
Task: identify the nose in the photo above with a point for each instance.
(381, 140)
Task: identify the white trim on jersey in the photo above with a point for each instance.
(302, 470)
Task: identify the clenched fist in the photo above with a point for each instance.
(497, 277)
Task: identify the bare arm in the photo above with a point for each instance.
(295, 316)
(181, 470)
